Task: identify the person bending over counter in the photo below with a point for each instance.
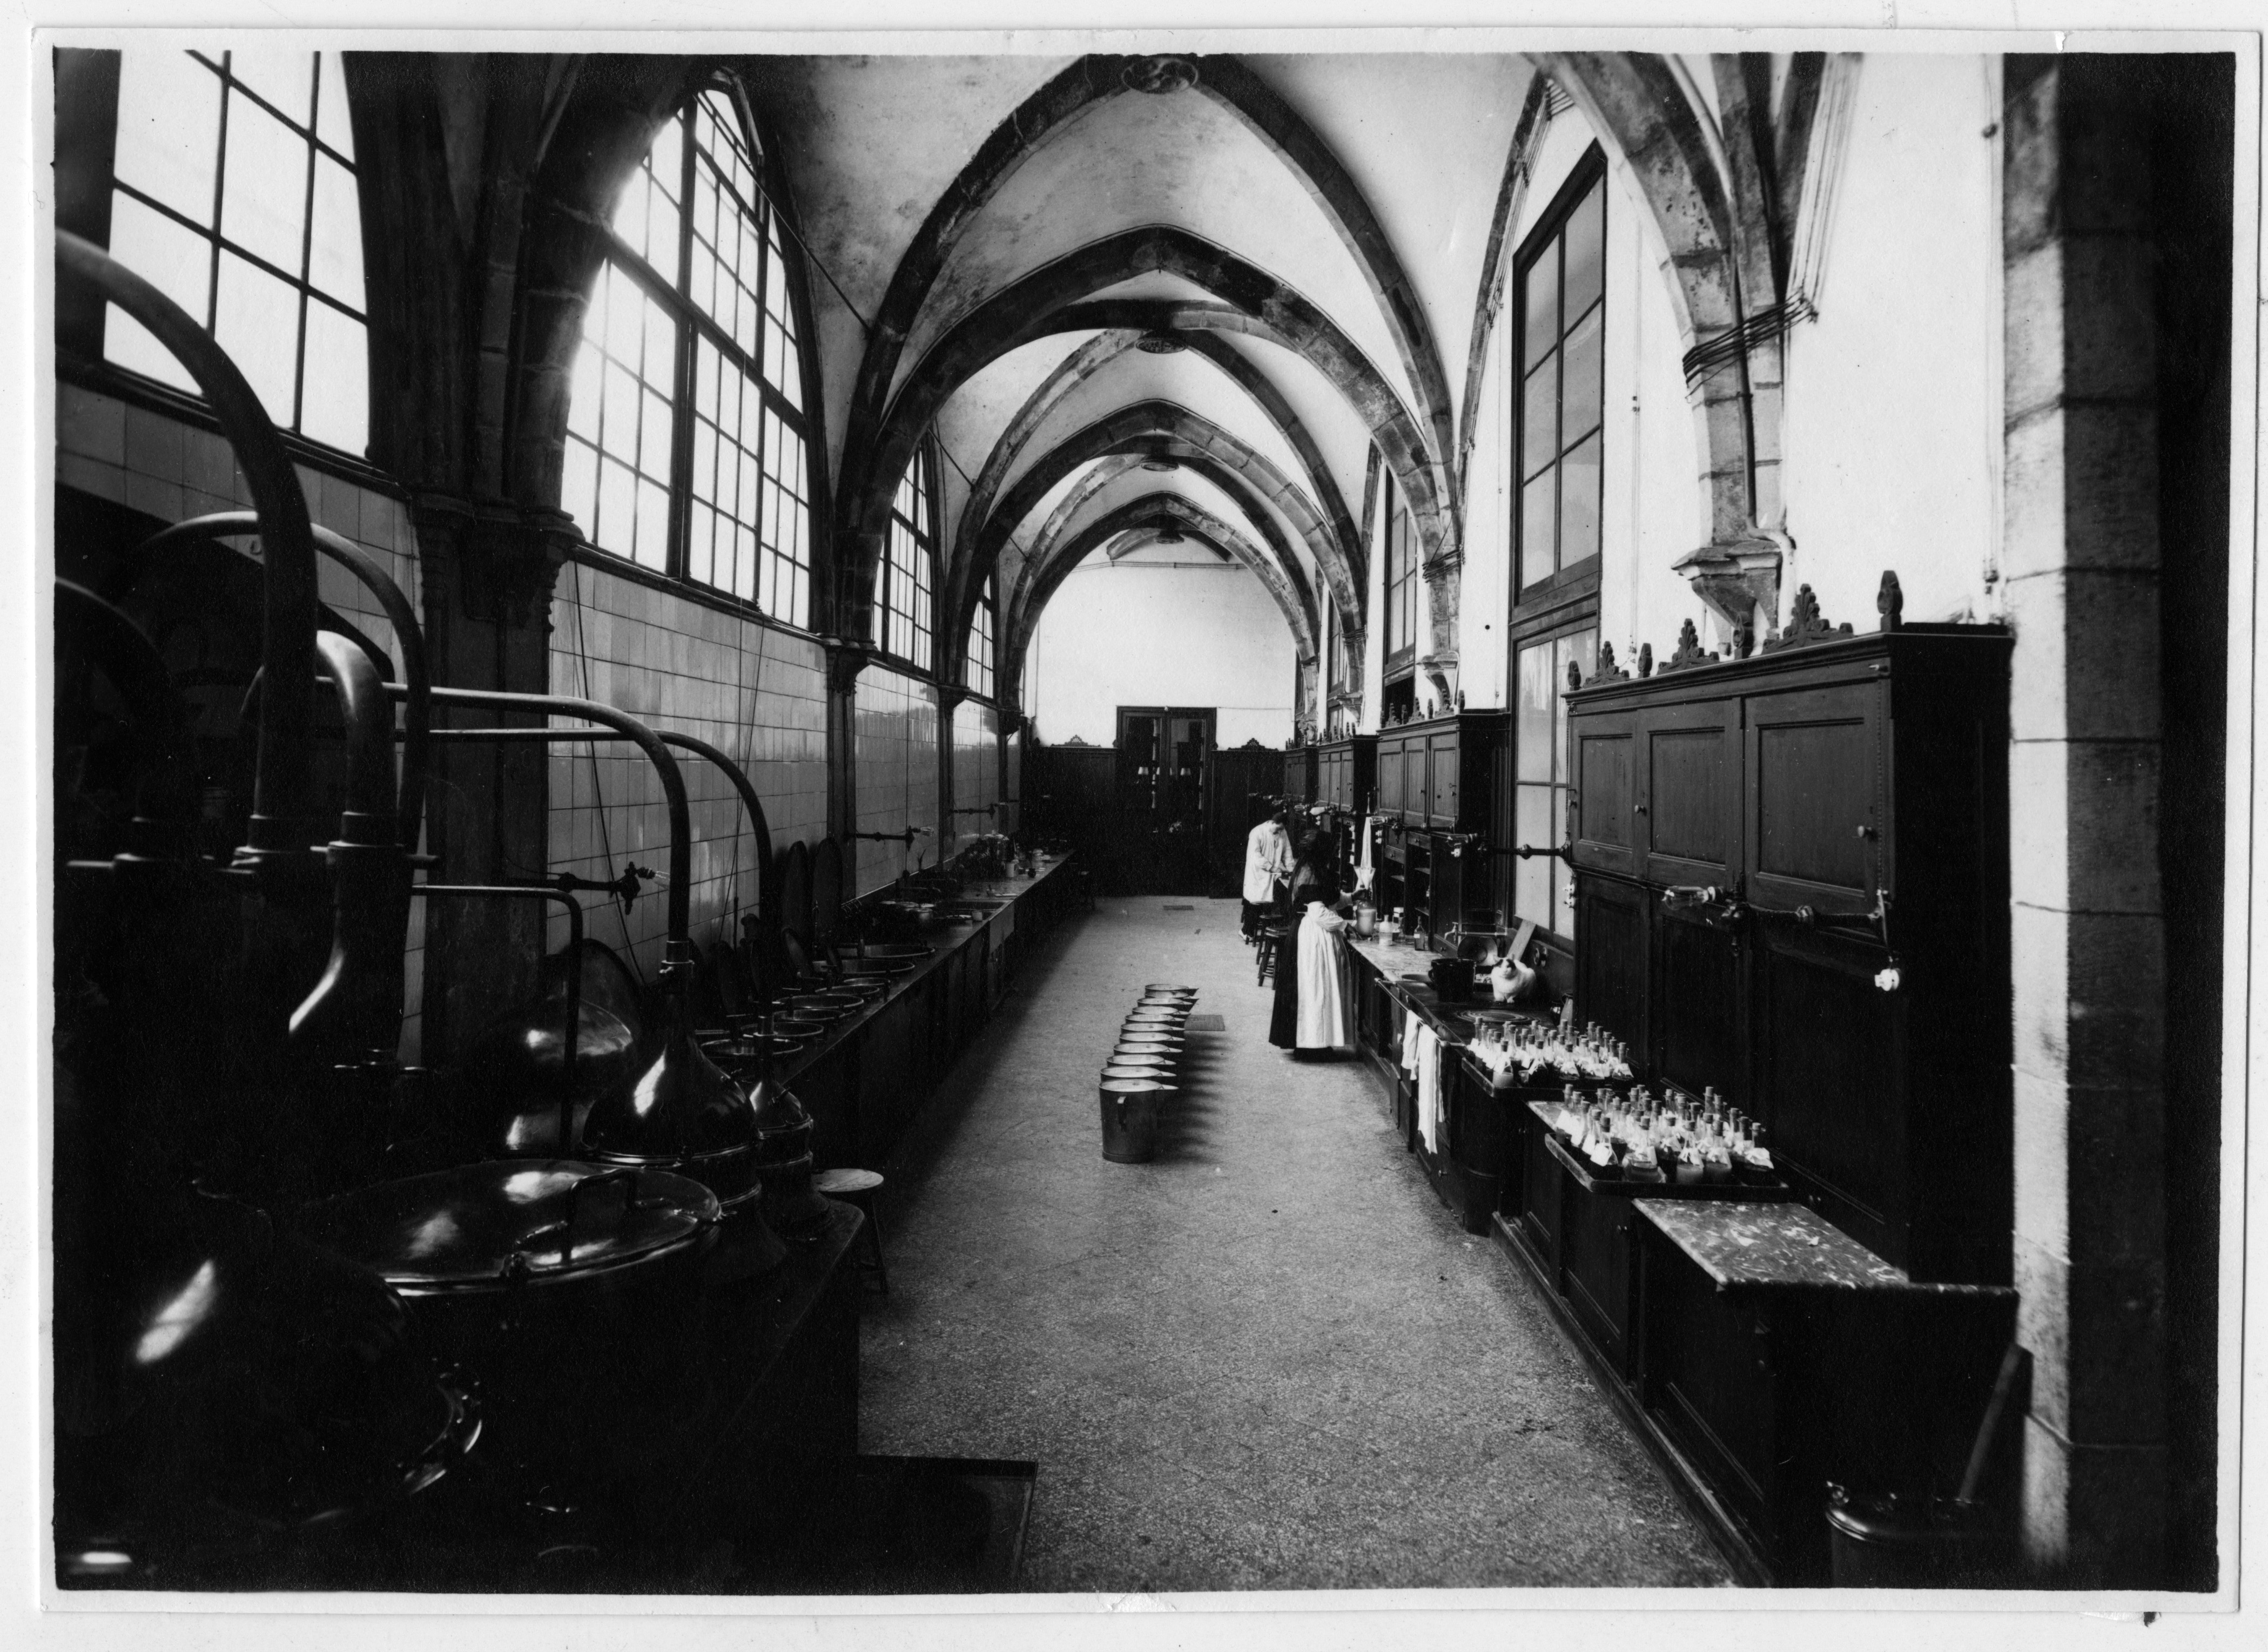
(1314, 988)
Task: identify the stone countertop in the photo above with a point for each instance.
(1742, 1245)
(1454, 1022)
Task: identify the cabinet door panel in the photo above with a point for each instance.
(1831, 1080)
(1611, 946)
(1605, 776)
(1703, 1031)
(1816, 814)
(1389, 775)
(1594, 1261)
(1442, 759)
(1689, 812)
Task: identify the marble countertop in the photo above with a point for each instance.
(1780, 1246)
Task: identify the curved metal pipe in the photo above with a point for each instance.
(677, 952)
(418, 709)
(358, 1004)
(283, 788)
(369, 716)
(751, 806)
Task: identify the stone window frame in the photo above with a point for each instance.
(321, 141)
(1402, 560)
(773, 406)
(906, 598)
(1586, 177)
(983, 627)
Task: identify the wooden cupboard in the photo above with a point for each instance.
(1792, 878)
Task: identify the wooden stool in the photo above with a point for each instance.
(1273, 939)
(857, 1189)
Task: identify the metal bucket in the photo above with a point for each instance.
(1893, 1541)
(1130, 1118)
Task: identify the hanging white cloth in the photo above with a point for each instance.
(1268, 862)
(1421, 1058)
(1325, 1005)
(1363, 872)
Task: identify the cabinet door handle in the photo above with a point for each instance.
(1867, 831)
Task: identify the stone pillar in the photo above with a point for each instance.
(949, 824)
(844, 661)
(2087, 931)
(488, 570)
(1437, 660)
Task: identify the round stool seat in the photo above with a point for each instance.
(844, 1184)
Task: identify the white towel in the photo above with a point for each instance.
(1421, 1058)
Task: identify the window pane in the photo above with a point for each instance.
(1538, 546)
(335, 249)
(1541, 319)
(263, 199)
(168, 130)
(334, 396)
(332, 124)
(257, 322)
(1539, 418)
(1532, 824)
(177, 262)
(578, 487)
(1585, 383)
(1586, 234)
(1539, 699)
(652, 525)
(286, 79)
(614, 523)
(1578, 505)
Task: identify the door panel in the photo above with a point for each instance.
(1817, 821)
(1442, 798)
(1701, 1034)
(1611, 958)
(1604, 777)
(1830, 1078)
(1690, 818)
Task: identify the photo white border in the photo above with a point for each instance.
(40, 1616)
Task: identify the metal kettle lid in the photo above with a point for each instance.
(531, 1220)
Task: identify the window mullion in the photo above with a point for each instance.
(307, 244)
(678, 559)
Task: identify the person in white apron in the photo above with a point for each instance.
(1314, 991)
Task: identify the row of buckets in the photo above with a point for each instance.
(1143, 1072)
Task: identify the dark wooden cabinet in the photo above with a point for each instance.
(1346, 772)
(1440, 774)
(1792, 885)
(1300, 774)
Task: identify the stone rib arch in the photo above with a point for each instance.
(1158, 429)
(1042, 117)
(1055, 562)
(1047, 301)
(966, 571)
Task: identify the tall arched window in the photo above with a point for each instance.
(232, 191)
(979, 674)
(685, 426)
(909, 569)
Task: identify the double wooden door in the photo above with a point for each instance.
(1164, 797)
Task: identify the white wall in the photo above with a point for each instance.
(1893, 403)
(1152, 634)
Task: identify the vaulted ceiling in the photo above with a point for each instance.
(1131, 293)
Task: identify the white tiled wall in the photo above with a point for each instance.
(756, 693)
(158, 464)
(895, 741)
(976, 767)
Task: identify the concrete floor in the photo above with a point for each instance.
(1269, 1359)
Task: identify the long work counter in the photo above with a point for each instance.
(1759, 1352)
(868, 1076)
